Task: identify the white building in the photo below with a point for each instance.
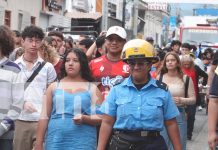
(17, 14)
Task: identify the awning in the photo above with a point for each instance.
(82, 15)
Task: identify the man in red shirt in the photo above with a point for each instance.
(109, 69)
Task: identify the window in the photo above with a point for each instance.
(33, 20)
(8, 18)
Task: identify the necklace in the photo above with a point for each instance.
(32, 62)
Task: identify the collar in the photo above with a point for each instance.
(3, 60)
(128, 82)
(21, 61)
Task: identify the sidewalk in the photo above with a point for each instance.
(199, 138)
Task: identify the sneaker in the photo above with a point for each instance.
(199, 108)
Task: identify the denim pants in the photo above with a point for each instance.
(182, 124)
(191, 111)
(6, 144)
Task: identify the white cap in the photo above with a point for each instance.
(120, 31)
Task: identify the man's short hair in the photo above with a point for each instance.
(56, 33)
(175, 42)
(186, 45)
(86, 42)
(16, 33)
(33, 31)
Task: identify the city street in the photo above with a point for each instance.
(199, 138)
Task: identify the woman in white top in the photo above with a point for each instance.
(172, 75)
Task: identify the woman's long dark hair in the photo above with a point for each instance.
(84, 65)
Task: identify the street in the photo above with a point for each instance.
(199, 138)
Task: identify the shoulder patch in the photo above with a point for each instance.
(162, 85)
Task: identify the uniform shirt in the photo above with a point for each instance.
(108, 73)
(214, 85)
(144, 109)
(36, 89)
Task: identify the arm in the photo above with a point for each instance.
(191, 99)
(105, 131)
(212, 122)
(210, 77)
(91, 50)
(203, 74)
(45, 115)
(173, 133)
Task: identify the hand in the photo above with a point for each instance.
(212, 140)
(102, 33)
(28, 106)
(177, 100)
(78, 119)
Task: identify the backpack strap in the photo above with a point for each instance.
(35, 73)
(161, 77)
(186, 86)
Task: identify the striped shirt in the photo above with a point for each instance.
(36, 89)
(12, 90)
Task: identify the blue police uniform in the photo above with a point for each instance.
(144, 109)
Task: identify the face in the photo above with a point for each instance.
(31, 45)
(59, 41)
(139, 70)
(72, 65)
(176, 48)
(83, 48)
(17, 41)
(114, 44)
(171, 62)
(185, 51)
(186, 64)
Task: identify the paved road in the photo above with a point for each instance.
(199, 139)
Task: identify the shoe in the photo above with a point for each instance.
(199, 108)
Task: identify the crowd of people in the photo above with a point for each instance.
(108, 93)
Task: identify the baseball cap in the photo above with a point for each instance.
(120, 31)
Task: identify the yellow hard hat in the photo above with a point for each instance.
(138, 48)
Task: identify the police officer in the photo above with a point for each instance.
(137, 109)
(213, 113)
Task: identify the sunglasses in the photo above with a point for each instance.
(139, 63)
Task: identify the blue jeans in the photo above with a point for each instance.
(6, 144)
(182, 124)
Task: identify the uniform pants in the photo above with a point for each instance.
(125, 142)
(25, 135)
(6, 144)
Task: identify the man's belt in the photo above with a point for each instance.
(138, 133)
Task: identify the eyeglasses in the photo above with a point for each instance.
(132, 63)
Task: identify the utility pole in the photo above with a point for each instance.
(135, 17)
(104, 15)
(124, 14)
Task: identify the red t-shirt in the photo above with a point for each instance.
(108, 72)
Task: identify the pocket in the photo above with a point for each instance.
(152, 109)
(124, 106)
